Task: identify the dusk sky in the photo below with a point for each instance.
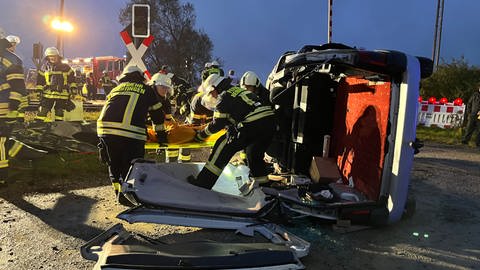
(251, 34)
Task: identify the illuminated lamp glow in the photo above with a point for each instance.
(432, 100)
(76, 61)
(61, 26)
(87, 60)
(458, 102)
(420, 99)
(443, 100)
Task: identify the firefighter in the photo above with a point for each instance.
(56, 85)
(14, 41)
(106, 83)
(251, 82)
(201, 114)
(121, 125)
(213, 68)
(164, 86)
(233, 77)
(473, 118)
(91, 89)
(250, 126)
(13, 100)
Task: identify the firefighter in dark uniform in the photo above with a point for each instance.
(13, 100)
(251, 82)
(250, 126)
(56, 85)
(106, 83)
(199, 115)
(121, 126)
(473, 118)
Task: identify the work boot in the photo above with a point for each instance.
(121, 199)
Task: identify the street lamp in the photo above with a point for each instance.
(61, 26)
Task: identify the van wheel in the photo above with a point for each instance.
(410, 207)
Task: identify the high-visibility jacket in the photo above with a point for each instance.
(199, 114)
(127, 109)
(13, 96)
(210, 71)
(105, 81)
(57, 81)
(237, 107)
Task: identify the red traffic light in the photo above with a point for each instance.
(443, 100)
(458, 102)
(432, 100)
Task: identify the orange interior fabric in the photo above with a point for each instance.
(359, 133)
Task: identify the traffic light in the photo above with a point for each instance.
(140, 21)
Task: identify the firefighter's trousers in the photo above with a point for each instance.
(254, 138)
(48, 103)
(118, 153)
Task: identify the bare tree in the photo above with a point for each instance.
(177, 43)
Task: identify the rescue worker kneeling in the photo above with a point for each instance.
(250, 126)
(121, 125)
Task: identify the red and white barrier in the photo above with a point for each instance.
(447, 115)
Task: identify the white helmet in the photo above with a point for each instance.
(2, 33)
(161, 79)
(210, 83)
(208, 64)
(51, 51)
(249, 78)
(13, 39)
(127, 70)
(215, 64)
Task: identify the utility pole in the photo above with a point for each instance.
(329, 38)
(59, 33)
(437, 37)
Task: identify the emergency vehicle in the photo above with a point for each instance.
(112, 64)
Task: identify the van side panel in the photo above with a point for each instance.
(360, 131)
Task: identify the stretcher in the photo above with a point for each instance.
(180, 136)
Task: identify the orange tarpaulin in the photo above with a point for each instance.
(180, 134)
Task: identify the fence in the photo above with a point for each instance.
(448, 115)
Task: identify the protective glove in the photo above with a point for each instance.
(198, 136)
(162, 136)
